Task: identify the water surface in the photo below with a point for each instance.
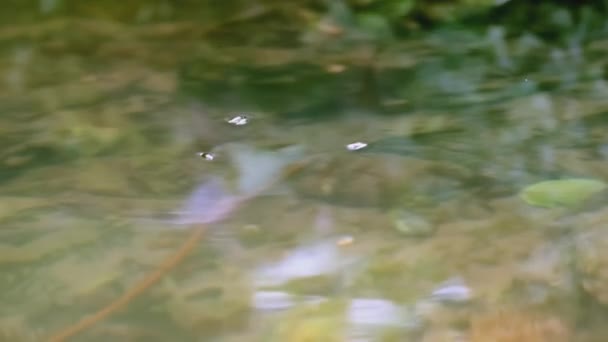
(101, 123)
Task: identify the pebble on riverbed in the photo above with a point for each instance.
(517, 326)
(411, 224)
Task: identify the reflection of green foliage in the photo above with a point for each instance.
(444, 11)
(389, 9)
(290, 89)
(563, 192)
(373, 17)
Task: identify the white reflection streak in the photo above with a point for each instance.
(209, 203)
(308, 261)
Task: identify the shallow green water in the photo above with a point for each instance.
(101, 123)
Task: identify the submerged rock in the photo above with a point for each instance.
(352, 180)
(373, 180)
(517, 326)
(591, 251)
(547, 275)
(209, 303)
(411, 224)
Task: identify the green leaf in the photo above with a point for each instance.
(561, 193)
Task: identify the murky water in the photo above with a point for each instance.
(107, 131)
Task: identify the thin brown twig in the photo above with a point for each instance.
(151, 279)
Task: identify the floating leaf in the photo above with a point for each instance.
(562, 192)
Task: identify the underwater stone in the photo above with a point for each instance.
(518, 326)
(546, 273)
(410, 224)
(591, 255)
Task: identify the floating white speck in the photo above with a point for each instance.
(238, 120)
(356, 146)
(206, 155)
